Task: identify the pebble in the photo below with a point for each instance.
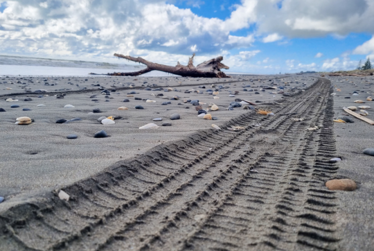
(27, 99)
(96, 110)
(122, 108)
(63, 196)
(101, 134)
(14, 106)
(347, 119)
(107, 121)
(41, 105)
(369, 151)
(359, 101)
(72, 136)
(149, 126)
(216, 126)
(195, 102)
(26, 109)
(166, 103)
(61, 121)
(157, 119)
(72, 120)
(214, 118)
(126, 100)
(138, 99)
(175, 116)
(139, 107)
(235, 104)
(166, 124)
(101, 118)
(208, 116)
(1, 199)
(334, 160)
(214, 107)
(341, 184)
(202, 115)
(69, 106)
(11, 100)
(2, 110)
(201, 111)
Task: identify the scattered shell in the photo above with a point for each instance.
(214, 107)
(201, 115)
(208, 116)
(11, 100)
(110, 117)
(215, 97)
(339, 121)
(369, 98)
(215, 93)
(216, 127)
(297, 119)
(41, 105)
(337, 159)
(69, 106)
(313, 128)
(236, 128)
(264, 112)
(364, 107)
(359, 101)
(63, 196)
(107, 122)
(23, 121)
(130, 96)
(150, 101)
(149, 126)
(341, 184)
(352, 108)
(122, 108)
(363, 113)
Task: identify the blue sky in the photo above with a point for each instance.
(253, 36)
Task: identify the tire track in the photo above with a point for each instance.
(260, 188)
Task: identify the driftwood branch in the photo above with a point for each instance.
(208, 69)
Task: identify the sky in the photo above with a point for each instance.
(253, 36)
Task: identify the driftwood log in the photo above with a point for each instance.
(208, 69)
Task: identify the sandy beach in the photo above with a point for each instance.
(267, 171)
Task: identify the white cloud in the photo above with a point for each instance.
(272, 38)
(246, 55)
(318, 55)
(171, 42)
(265, 60)
(365, 48)
(330, 63)
(290, 63)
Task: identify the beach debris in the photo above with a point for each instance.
(214, 107)
(297, 119)
(369, 151)
(369, 121)
(139, 107)
(149, 126)
(23, 121)
(352, 108)
(63, 195)
(236, 128)
(175, 116)
(364, 107)
(264, 112)
(347, 119)
(150, 101)
(341, 184)
(11, 100)
(208, 69)
(339, 121)
(68, 106)
(215, 97)
(122, 108)
(359, 101)
(216, 127)
(336, 159)
(207, 116)
(72, 136)
(14, 106)
(369, 98)
(200, 217)
(101, 134)
(363, 113)
(107, 121)
(313, 128)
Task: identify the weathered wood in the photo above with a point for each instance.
(208, 69)
(369, 121)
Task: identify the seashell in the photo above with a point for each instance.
(236, 128)
(313, 128)
(63, 195)
(341, 184)
(364, 107)
(8, 88)
(122, 108)
(264, 112)
(216, 127)
(208, 116)
(297, 119)
(363, 113)
(11, 100)
(337, 159)
(110, 117)
(150, 101)
(352, 108)
(201, 115)
(359, 101)
(339, 121)
(69, 106)
(107, 122)
(369, 98)
(129, 96)
(23, 121)
(215, 93)
(215, 97)
(214, 107)
(149, 126)
(41, 105)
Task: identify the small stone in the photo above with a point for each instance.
(347, 119)
(195, 102)
(107, 121)
(73, 119)
(63, 196)
(208, 116)
(27, 99)
(201, 112)
(214, 118)
(14, 106)
(122, 108)
(1, 199)
(214, 107)
(369, 151)
(166, 103)
(2, 110)
(235, 104)
(69, 106)
(138, 99)
(101, 118)
(26, 109)
(61, 121)
(139, 107)
(126, 100)
(101, 134)
(334, 160)
(41, 105)
(341, 184)
(157, 119)
(166, 124)
(175, 116)
(72, 136)
(96, 110)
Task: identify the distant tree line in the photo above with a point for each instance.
(366, 66)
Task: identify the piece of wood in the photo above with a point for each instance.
(208, 69)
(369, 121)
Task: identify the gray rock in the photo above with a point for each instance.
(101, 134)
(72, 136)
(175, 116)
(369, 151)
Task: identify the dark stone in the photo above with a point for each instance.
(74, 119)
(235, 104)
(130, 93)
(166, 103)
(101, 134)
(126, 100)
(2, 110)
(214, 118)
(195, 102)
(369, 151)
(72, 136)
(96, 110)
(27, 99)
(347, 97)
(117, 117)
(26, 109)
(257, 93)
(347, 119)
(157, 119)
(60, 121)
(93, 96)
(95, 99)
(175, 116)
(14, 106)
(166, 124)
(201, 111)
(138, 99)
(139, 107)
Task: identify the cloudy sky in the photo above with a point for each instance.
(254, 36)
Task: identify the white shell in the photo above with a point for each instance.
(40, 105)
(216, 126)
(201, 115)
(63, 196)
(149, 126)
(69, 106)
(107, 122)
